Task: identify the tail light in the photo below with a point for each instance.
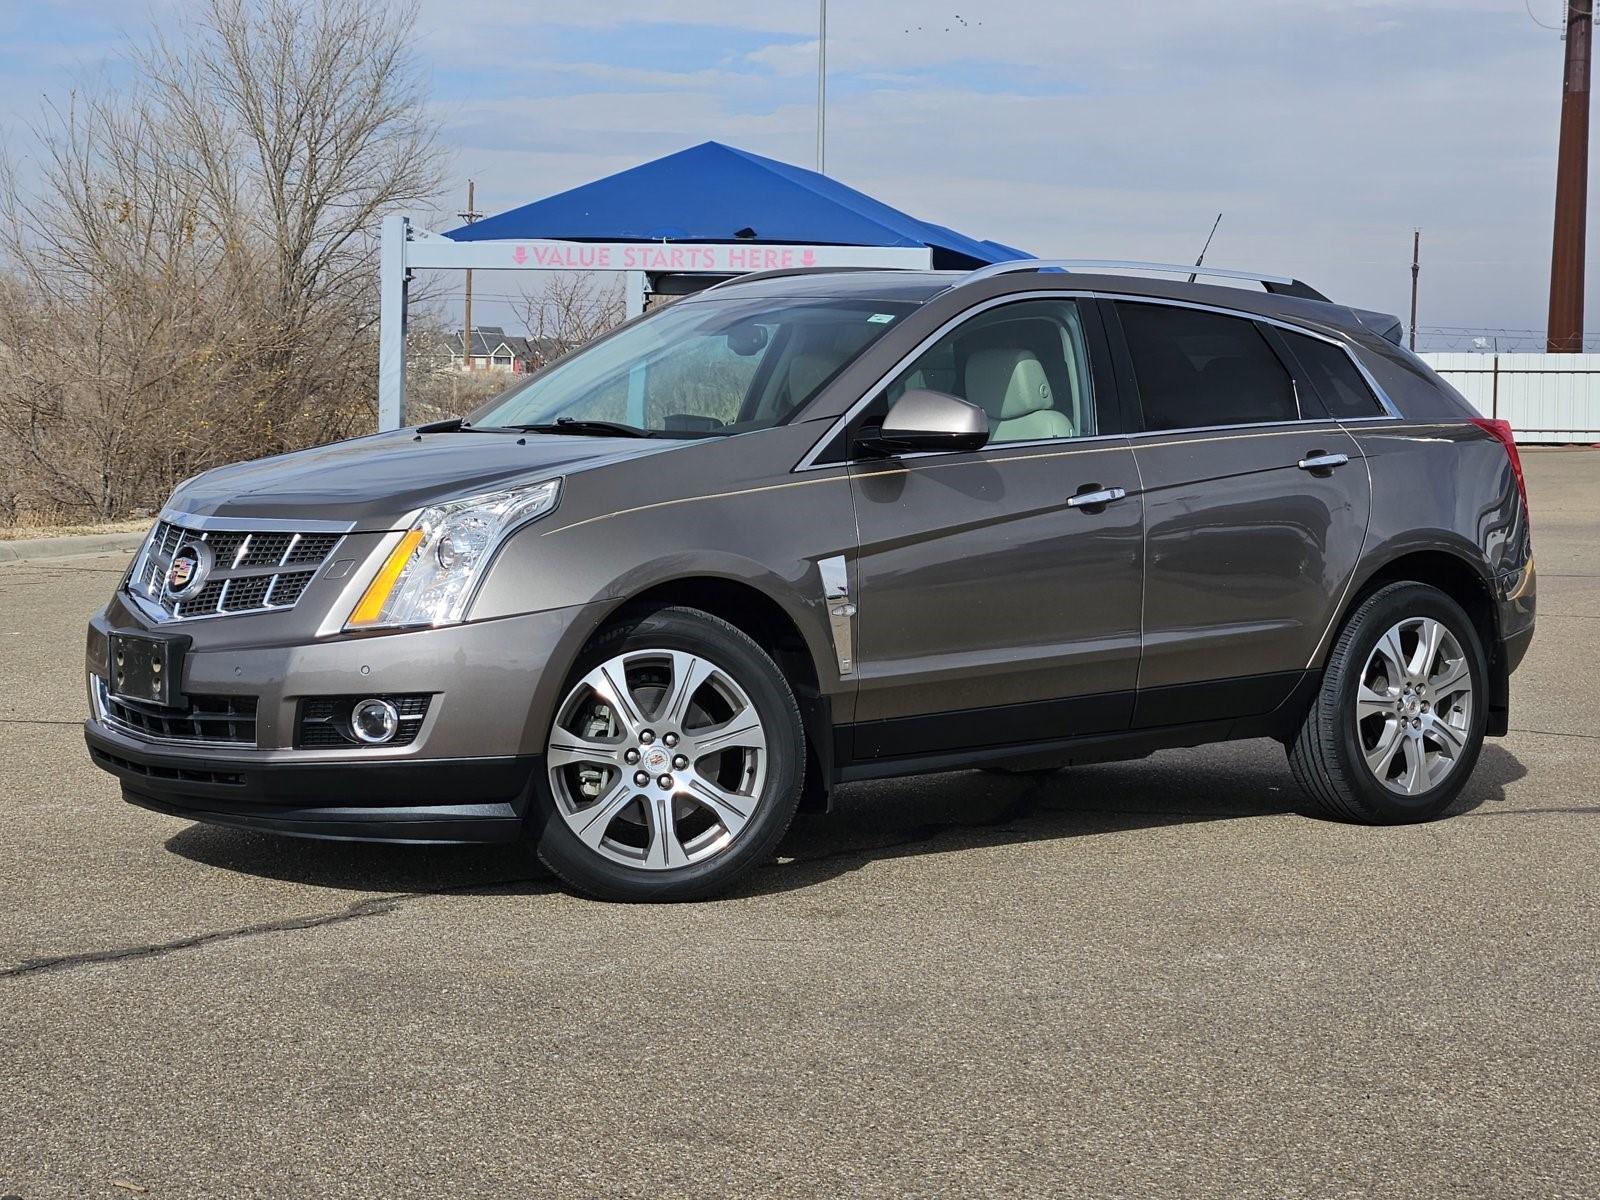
(1501, 432)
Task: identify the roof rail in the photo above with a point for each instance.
(1278, 285)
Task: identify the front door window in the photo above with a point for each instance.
(1026, 365)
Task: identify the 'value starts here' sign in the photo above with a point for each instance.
(579, 256)
(725, 258)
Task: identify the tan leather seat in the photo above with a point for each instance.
(1010, 385)
(806, 373)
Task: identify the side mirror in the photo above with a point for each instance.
(923, 420)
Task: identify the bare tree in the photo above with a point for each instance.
(571, 310)
(567, 312)
(193, 278)
(436, 388)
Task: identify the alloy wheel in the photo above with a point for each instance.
(1414, 706)
(657, 759)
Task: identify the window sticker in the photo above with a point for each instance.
(880, 318)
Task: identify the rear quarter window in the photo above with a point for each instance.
(1334, 377)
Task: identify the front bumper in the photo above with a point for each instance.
(491, 681)
(464, 778)
(427, 800)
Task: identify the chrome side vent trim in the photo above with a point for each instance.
(841, 611)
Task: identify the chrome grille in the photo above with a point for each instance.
(230, 719)
(251, 571)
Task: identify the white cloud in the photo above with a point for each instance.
(1324, 129)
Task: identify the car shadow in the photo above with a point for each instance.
(966, 810)
(924, 815)
(365, 866)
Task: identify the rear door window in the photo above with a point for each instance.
(1337, 381)
(1197, 368)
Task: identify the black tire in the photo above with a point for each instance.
(1327, 757)
(731, 650)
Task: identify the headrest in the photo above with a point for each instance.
(1007, 383)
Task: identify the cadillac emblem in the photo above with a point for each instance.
(190, 567)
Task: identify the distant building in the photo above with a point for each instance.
(493, 349)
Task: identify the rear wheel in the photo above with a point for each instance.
(673, 764)
(1398, 724)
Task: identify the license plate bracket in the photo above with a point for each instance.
(147, 670)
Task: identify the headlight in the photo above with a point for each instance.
(430, 576)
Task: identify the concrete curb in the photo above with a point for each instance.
(31, 549)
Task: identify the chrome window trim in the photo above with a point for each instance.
(188, 520)
(1062, 443)
(1383, 399)
(1391, 411)
(1286, 426)
(809, 461)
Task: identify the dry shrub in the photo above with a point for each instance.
(565, 312)
(191, 279)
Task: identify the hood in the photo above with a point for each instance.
(376, 482)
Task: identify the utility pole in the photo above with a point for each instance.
(1416, 270)
(822, 87)
(469, 215)
(1565, 327)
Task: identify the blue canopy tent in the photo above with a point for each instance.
(717, 193)
(673, 225)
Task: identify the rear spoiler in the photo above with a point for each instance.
(1382, 324)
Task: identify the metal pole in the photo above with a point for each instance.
(1565, 328)
(1416, 269)
(392, 285)
(634, 285)
(822, 87)
(470, 215)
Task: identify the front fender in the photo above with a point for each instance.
(730, 512)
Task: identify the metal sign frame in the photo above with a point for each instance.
(406, 249)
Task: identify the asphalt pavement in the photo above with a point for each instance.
(1155, 978)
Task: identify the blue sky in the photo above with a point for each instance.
(1325, 130)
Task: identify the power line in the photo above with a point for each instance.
(1528, 4)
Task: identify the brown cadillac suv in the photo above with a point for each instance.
(812, 527)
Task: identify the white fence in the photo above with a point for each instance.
(1546, 397)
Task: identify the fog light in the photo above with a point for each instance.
(374, 721)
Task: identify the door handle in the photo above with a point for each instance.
(1319, 460)
(1096, 498)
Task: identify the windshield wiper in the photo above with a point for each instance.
(574, 425)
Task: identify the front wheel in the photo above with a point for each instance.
(674, 762)
(1398, 724)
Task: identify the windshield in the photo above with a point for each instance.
(701, 367)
